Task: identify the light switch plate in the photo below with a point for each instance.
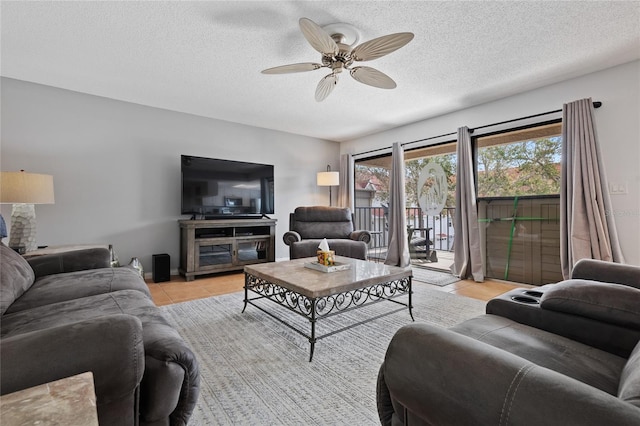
(618, 188)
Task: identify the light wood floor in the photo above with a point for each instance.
(178, 290)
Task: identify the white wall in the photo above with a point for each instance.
(617, 121)
(116, 166)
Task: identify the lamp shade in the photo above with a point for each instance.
(26, 188)
(328, 179)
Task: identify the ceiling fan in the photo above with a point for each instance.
(339, 56)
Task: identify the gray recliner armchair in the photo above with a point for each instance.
(309, 225)
(561, 354)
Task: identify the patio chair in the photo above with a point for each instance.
(420, 247)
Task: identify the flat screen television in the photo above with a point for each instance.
(214, 188)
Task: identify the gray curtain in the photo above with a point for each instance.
(398, 251)
(345, 190)
(467, 260)
(586, 230)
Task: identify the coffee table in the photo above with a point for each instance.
(317, 295)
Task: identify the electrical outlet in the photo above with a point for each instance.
(618, 188)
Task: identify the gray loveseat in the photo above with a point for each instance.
(70, 313)
(561, 354)
(309, 225)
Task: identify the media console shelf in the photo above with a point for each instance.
(210, 246)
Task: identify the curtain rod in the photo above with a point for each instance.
(596, 104)
(406, 143)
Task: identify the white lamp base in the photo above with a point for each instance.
(23, 228)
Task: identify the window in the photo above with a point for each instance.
(522, 162)
(415, 161)
(518, 181)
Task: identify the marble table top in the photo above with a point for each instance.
(70, 401)
(313, 284)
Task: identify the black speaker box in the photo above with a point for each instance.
(161, 265)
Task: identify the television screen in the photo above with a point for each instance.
(221, 188)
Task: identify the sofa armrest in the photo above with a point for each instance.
(524, 305)
(362, 235)
(436, 376)
(609, 272)
(291, 237)
(110, 347)
(170, 363)
(605, 302)
(77, 260)
(171, 382)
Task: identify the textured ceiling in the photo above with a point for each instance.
(205, 58)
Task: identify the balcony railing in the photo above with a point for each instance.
(375, 220)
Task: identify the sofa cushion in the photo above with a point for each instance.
(67, 312)
(16, 277)
(341, 247)
(322, 222)
(589, 365)
(629, 389)
(75, 285)
(322, 214)
(606, 302)
(70, 261)
(315, 230)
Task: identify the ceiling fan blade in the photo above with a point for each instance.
(372, 77)
(318, 38)
(326, 86)
(285, 69)
(380, 46)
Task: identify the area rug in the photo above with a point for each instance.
(255, 371)
(430, 276)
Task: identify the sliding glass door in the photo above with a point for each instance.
(518, 181)
(430, 188)
(430, 192)
(372, 202)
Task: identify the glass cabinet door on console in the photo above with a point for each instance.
(211, 255)
(252, 251)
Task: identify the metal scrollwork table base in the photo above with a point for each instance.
(317, 295)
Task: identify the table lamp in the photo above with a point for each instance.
(329, 179)
(23, 190)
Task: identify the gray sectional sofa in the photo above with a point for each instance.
(562, 354)
(69, 313)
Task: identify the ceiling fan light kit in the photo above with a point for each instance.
(331, 41)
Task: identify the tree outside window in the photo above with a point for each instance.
(520, 168)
